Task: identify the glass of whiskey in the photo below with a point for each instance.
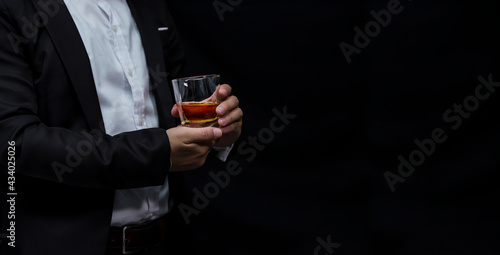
(196, 98)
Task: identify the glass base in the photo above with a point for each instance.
(200, 124)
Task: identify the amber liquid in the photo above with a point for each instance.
(199, 112)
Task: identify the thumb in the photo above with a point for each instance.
(201, 135)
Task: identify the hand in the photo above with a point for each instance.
(189, 147)
(230, 116)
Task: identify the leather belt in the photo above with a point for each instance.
(137, 238)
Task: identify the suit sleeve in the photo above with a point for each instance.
(69, 156)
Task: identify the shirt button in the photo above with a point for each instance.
(130, 73)
(141, 121)
(113, 27)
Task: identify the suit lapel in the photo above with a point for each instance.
(152, 45)
(71, 50)
(73, 54)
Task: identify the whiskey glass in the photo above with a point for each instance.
(197, 98)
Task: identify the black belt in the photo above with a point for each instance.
(137, 238)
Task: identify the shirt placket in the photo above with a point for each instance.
(138, 90)
(125, 60)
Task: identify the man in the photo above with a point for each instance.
(86, 104)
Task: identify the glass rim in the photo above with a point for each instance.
(198, 76)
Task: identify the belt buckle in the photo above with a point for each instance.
(124, 242)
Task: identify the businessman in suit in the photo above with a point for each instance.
(86, 104)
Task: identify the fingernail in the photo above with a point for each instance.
(217, 133)
(222, 121)
(221, 110)
(223, 91)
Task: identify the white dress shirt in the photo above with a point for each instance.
(116, 54)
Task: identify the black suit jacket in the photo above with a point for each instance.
(67, 169)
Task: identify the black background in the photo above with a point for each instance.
(322, 176)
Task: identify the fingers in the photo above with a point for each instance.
(224, 91)
(175, 111)
(227, 105)
(230, 116)
(189, 147)
(231, 133)
(202, 135)
(235, 115)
